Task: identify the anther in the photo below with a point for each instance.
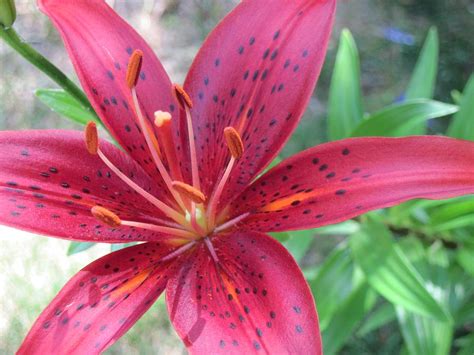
(189, 191)
(182, 96)
(162, 118)
(106, 216)
(234, 142)
(92, 138)
(134, 67)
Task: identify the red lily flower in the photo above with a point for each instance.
(187, 185)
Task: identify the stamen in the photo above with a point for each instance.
(235, 147)
(234, 142)
(152, 146)
(231, 223)
(111, 219)
(190, 192)
(162, 118)
(134, 67)
(160, 229)
(179, 251)
(106, 216)
(211, 249)
(182, 96)
(92, 138)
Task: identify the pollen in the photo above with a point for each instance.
(189, 191)
(182, 96)
(134, 67)
(234, 142)
(106, 216)
(92, 138)
(162, 118)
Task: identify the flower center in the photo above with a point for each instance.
(193, 215)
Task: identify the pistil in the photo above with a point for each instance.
(133, 72)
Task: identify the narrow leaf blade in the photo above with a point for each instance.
(462, 125)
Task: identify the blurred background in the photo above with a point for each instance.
(389, 35)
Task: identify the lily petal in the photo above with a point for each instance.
(49, 183)
(100, 43)
(254, 298)
(101, 302)
(256, 72)
(340, 180)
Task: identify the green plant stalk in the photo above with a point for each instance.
(10, 36)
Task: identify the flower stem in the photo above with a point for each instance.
(11, 37)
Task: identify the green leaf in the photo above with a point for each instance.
(299, 243)
(333, 284)
(65, 105)
(348, 315)
(390, 273)
(400, 119)
(344, 228)
(115, 247)
(281, 236)
(462, 125)
(424, 335)
(77, 247)
(465, 258)
(423, 80)
(466, 344)
(345, 109)
(383, 315)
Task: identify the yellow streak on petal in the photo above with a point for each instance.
(285, 202)
(132, 284)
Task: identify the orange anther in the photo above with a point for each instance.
(190, 192)
(92, 138)
(182, 96)
(234, 142)
(134, 67)
(106, 216)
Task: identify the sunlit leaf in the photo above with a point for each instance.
(399, 119)
(333, 283)
(65, 105)
(423, 80)
(115, 247)
(380, 317)
(462, 125)
(389, 271)
(424, 335)
(77, 247)
(345, 109)
(347, 317)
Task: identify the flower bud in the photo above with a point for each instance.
(7, 13)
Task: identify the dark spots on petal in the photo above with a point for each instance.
(305, 53)
(241, 50)
(206, 81)
(259, 332)
(297, 309)
(45, 175)
(94, 279)
(246, 74)
(287, 64)
(143, 75)
(233, 91)
(117, 65)
(87, 327)
(272, 315)
(252, 41)
(272, 122)
(129, 50)
(53, 170)
(222, 344)
(215, 98)
(274, 54)
(103, 327)
(217, 62)
(330, 175)
(110, 75)
(355, 171)
(281, 87)
(319, 216)
(306, 211)
(246, 310)
(65, 321)
(255, 75)
(257, 345)
(296, 68)
(323, 167)
(315, 161)
(346, 151)
(235, 343)
(295, 203)
(299, 329)
(266, 53)
(340, 192)
(76, 197)
(46, 324)
(65, 185)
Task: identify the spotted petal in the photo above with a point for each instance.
(49, 183)
(256, 72)
(100, 43)
(340, 180)
(254, 298)
(101, 302)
